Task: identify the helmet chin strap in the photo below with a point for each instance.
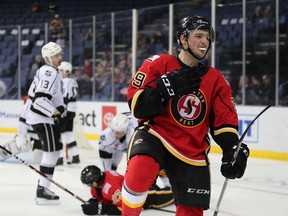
(51, 64)
(191, 53)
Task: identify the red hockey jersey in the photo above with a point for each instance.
(111, 189)
(184, 124)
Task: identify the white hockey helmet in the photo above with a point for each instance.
(120, 123)
(50, 49)
(65, 66)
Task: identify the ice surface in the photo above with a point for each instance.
(262, 191)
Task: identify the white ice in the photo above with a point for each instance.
(263, 191)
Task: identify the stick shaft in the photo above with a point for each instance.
(220, 197)
(235, 158)
(42, 174)
(245, 132)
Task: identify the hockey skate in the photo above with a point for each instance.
(46, 197)
(75, 160)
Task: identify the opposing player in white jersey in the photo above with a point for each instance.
(44, 115)
(26, 138)
(114, 140)
(25, 131)
(70, 93)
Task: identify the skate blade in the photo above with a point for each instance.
(42, 201)
(73, 165)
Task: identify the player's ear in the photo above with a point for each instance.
(47, 60)
(183, 41)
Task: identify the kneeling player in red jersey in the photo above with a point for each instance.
(106, 191)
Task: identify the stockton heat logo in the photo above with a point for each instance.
(189, 110)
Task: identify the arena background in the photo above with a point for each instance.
(122, 34)
(106, 41)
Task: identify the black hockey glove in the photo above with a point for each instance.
(91, 208)
(70, 115)
(110, 209)
(237, 169)
(62, 110)
(179, 82)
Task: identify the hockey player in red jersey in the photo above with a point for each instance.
(178, 100)
(106, 191)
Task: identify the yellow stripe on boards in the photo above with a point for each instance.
(264, 154)
(8, 130)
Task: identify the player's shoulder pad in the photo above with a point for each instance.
(217, 75)
(159, 63)
(106, 137)
(160, 58)
(47, 71)
(74, 82)
(113, 173)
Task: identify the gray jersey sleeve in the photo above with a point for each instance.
(107, 141)
(70, 88)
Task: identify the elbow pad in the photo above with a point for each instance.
(44, 105)
(149, 104)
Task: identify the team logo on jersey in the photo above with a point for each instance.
(189, 110)
(102, 138)
(116, 197)
(138, 141)
(48, 73)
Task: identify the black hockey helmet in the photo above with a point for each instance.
(92, 174)
(189, 23)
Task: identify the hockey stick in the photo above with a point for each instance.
(43, 174)
(235, 157)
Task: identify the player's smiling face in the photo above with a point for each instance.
(198, 41)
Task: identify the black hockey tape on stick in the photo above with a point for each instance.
(43, 174)
(235, 157)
